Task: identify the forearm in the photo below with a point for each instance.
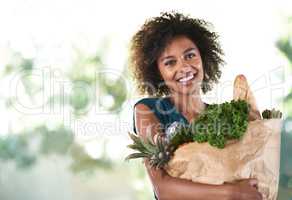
(170, 188)
(176, 189)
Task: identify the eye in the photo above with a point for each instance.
(189, 56)
(170, 63)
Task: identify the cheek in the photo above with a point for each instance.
(168, 79)
(197, 62)
(160, 72)
(166, 74)
(163, 75)
(201, 72)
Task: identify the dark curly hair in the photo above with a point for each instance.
(150, 41)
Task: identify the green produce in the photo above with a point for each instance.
(217, 124)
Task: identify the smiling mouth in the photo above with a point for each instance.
(187, 79)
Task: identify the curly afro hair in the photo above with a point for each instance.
(151, 40)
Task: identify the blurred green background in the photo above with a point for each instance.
(67, 95)
(285, 185)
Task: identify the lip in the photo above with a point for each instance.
(185, 80)
(194, 73)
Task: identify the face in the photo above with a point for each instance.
(181, 66)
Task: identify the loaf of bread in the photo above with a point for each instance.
(241, 90)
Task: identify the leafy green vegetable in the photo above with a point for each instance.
(221, 122)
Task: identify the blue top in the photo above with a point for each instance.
(164, 110)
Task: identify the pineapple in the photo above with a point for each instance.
(160, 150)
(157, 152)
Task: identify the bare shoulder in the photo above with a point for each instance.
(144, 112)
(145, 120)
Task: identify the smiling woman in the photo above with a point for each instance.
(173, 58)
(151, 40)
(180, 66)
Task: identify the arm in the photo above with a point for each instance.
(171, 188)
(165, 186)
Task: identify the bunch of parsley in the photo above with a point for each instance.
(217, 124)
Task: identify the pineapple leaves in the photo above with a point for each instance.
(157, 153)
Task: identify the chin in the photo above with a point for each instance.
(188, 90)
(192, 88)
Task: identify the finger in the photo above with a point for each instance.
(254, 115)
(260, 196)
(253, 182)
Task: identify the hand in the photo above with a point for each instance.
(254, 115)
(246, 189)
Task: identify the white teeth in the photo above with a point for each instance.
(185, 79)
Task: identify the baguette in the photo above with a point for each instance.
(242, 91)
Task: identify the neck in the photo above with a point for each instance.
(188, 105)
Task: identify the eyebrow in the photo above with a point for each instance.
(185, 51)
(189, 49)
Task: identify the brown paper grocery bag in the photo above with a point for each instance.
(255, 155)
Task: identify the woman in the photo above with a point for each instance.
(174, 57)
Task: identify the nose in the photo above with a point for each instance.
(184, 66)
